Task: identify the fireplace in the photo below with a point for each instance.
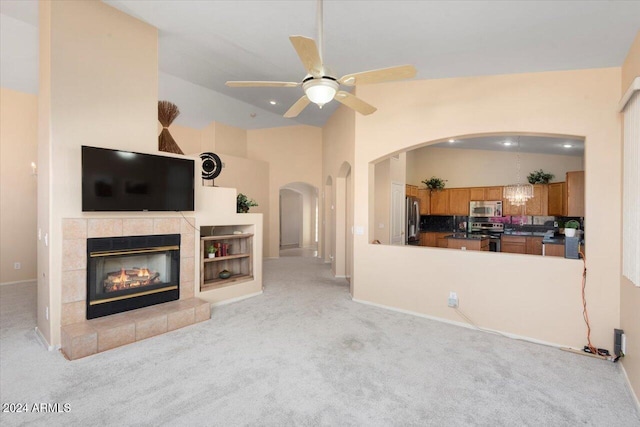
(126, 273)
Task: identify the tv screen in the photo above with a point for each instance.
(114, 180)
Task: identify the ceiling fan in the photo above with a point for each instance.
(320, 86)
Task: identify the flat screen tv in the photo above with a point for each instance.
(114, 180)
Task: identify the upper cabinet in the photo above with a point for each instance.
(575, 193)
(557, 199)
(459, 201)
(425, 201)
(538, 205)
(485, 193)
(440, 202)
(411, 190)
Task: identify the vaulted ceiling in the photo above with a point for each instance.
(202, 44)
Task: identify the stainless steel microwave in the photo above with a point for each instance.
(485, 208)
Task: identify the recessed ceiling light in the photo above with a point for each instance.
(272, 102)
(567, 145)
(452, 140)
(507, 143)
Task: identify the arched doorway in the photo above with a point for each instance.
(299, 216)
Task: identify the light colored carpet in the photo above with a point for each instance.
(305, 354)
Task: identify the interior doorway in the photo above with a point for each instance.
(299, 226)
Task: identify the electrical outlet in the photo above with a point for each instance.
(17, 266)
(464, 248)
(453, 300)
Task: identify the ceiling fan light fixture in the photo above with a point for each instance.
(320, 91)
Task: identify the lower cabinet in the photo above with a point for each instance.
(469, 244)
(553, 250)
(534, 245)
(434, 239)
(513, 244)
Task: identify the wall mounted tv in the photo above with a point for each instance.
(114, 180)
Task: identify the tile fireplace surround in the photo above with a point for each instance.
(82, 337)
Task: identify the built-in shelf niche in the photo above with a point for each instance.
(238, 258)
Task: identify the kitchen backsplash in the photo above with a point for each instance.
(451, 223)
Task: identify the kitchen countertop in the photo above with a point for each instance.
(467, 236)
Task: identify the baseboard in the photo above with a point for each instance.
(232, 300)
(43, 340)
(17, 282)
(637, 400)
(462, 324)
(343, 277)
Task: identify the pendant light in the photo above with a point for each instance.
(518, 193)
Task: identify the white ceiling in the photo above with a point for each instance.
(519, 143)
(202, 44)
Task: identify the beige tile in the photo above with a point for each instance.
(79, 340)
(105, 227)
(187, 246)
(151, 327)
(187, 290)
(187, 267)
(74, 228)
(180, 319)
(74, 254)
(188, 225)
(137, 226)
(116, 336)
(166, 226)
(73, 312)
(203, 312)
(74, 285)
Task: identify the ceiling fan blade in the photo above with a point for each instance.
(308, 53)
(262, 84)
(355, 103)
(297, 108)
(379, 76)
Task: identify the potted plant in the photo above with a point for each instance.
(212, 251)
(243, 203)
(434, 183)
(570, 228)
(539, 177)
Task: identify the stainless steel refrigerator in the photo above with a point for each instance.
(412, 222)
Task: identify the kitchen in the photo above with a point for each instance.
(478, 217)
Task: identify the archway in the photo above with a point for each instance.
(299, 227)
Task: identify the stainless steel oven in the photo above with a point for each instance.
(492, 230)
(485, 209)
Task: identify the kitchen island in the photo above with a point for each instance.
(468, 242)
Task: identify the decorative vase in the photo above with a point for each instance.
(224, 274)
(570, 232)
(213, 255)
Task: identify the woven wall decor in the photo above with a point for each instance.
(167, 113)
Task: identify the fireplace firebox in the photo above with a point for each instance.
(126, 273)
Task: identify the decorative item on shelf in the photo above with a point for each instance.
(224, 274)
(243, 203)
(212, 251)
(434, 183)
(167, 113)
(211, 168)
(540, 177)
(571, 227)
(518, 193)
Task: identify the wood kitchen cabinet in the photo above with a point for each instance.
(476, 194)
(493, 193)
(537, 205)
(575, 193)
(459, 201)
(425, 201)
(434, 239)
(411, 190)
(513, 244)
(534, 245)
(440, 202)
(557, 196)
(553, 250)
(469, 244)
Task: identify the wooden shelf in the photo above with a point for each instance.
(222, 258)
(218, 283)
(240, 264)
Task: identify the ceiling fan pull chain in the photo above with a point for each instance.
(320, 38)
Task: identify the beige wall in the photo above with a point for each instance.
(119, 112)
(630, 294)
(18, 148)
(338, 136)
(382, 201)
(475, 168)
(293, 154)
(536, 297)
